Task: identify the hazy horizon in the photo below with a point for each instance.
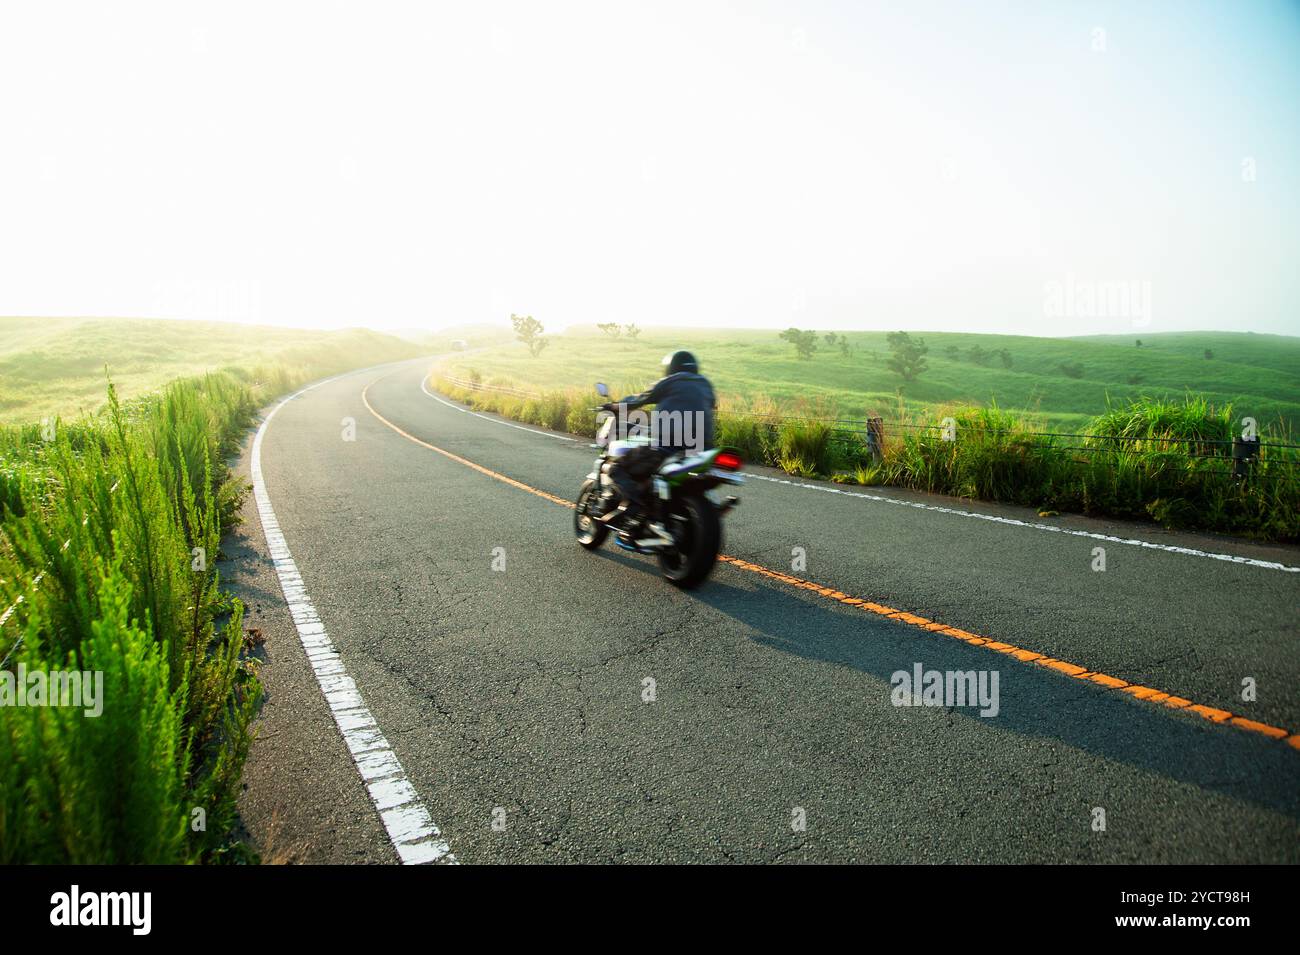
(504, 325)
(1051, 170)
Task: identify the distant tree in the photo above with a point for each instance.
(612, 329)
(838, 341)
(529, 331)
(804, 342)
(1005, 356)
(908, 359)
(978, 355)
(1071, 369)
(953, 352)
(1139, 343)
(631, 331)
(1209, 355)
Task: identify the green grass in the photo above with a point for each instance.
(1259, 375)
(1156, 453)
(110, 533)
(1279, 353)
(56, 366)
(109, 515)
(1151, 460)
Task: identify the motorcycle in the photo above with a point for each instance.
(683, 521)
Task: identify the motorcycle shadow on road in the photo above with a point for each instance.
(1034, 702)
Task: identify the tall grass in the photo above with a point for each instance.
(1160, 460)
(109, 789)
(802, 439)
(1156, 459)
(558, 409)
(109, 542)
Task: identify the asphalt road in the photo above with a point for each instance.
(516, 702)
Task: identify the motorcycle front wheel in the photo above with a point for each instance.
(697, 537)
(590, 532)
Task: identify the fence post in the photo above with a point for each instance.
(876, 438)
(1245, 452)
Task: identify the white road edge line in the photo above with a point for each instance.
(411, 829)
(424, 386)
(1015, 522)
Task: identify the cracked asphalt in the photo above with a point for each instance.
(523, 690)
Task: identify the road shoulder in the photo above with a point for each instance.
(302, 800)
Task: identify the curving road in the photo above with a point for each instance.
(518, 699)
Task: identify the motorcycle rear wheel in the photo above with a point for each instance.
(697, 531)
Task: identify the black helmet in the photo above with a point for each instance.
(681, 361)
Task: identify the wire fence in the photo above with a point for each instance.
(498, 389)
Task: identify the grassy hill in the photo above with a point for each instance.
(1278, 352)
(1258, 374)
(56, 366)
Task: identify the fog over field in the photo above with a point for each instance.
(1045, 169)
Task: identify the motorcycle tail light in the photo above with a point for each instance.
(728, 461)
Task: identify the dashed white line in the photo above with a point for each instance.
(411, 829)
(424, 386)
(1170, 548)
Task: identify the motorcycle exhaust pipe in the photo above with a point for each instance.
(728, 504)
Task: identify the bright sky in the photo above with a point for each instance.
(952, 166)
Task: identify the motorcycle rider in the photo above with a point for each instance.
(682, 394)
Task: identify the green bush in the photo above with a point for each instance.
(79, 789)
(579, 419)
(803, 447)
(121, 517)
(749, 435)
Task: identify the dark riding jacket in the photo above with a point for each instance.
(675, 398)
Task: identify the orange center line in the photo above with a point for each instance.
(1150, 694)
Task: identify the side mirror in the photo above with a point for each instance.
(602, 389)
